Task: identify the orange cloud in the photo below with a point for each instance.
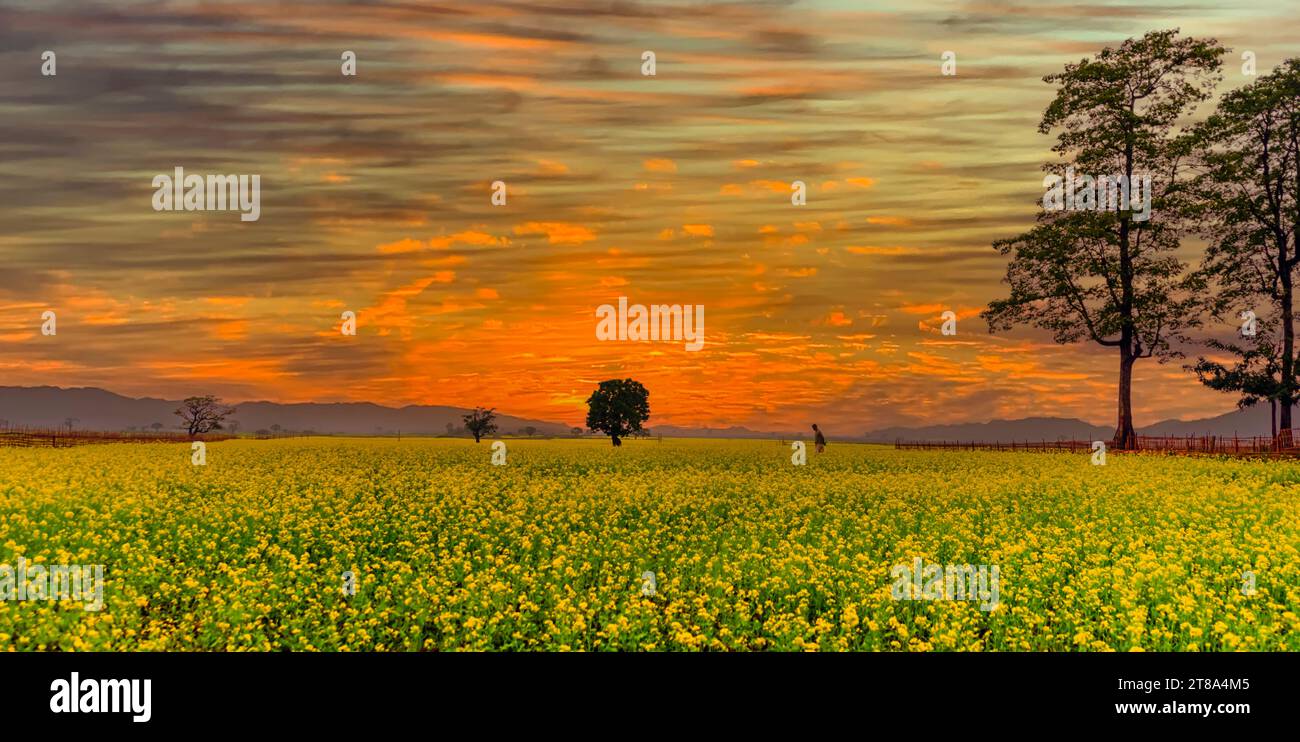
(875, 250)
(558, 233)
(923, 308)
(660, 165)
(467, 237)
(890, 221)
(551, 167)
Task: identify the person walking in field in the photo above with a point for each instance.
(821, 439)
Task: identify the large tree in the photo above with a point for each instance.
(203, 414)
(1108, 275)
(1247, 207)
(618, 408)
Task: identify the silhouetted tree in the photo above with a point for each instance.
(203, 414)
(577, 432)
(480, 422)
(1255, 376)
(1248, 210)
(618, 408)
(1101, 275)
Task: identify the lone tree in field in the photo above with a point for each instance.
(618, 408)
(203, 414)
(1248, 209)
(480, 422)
(1101, 275)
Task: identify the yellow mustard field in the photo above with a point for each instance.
(548, 552)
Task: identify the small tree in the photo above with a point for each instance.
(481, 422)
(203, 414)
(530, 431)
(1255, 375)
(618, 408)
(577, 432)
(157, 426)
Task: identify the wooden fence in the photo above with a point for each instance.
(1284, 444)
(63, 437)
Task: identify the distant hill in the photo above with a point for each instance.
(97, 409)
(1244, 423)
(1030, 428)
(1247, 422)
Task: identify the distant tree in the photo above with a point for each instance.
(233, 427)
(262, 433)
(577, 432)
(203, 414)
(157, 426)
(530, 431)
(68, 422)
(276, 428)
(618, 408)
(480, 422)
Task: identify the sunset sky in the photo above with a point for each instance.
(666, 189)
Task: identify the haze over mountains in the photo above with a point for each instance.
(98, 409)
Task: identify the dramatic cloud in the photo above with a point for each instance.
(377, 197)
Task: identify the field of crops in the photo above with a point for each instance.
(749, 552)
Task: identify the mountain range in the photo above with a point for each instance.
(1246, 422)
(97, 409)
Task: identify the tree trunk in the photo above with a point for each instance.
(1287, 400)
(616, 440)
(1272, 416)
(1125, 435)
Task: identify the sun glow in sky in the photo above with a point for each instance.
(672, 189)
